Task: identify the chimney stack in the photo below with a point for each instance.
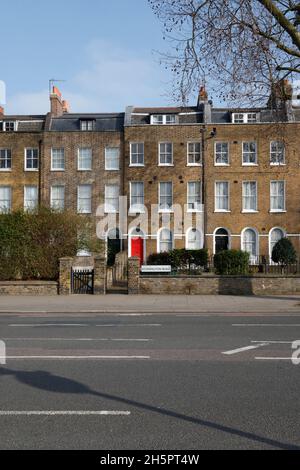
(203, 96)
(58, 106)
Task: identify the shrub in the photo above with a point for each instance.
(180, 258)
(31, 243)
(284, 252)
(232, 262)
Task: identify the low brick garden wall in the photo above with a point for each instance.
(219, 285)
(35, 288)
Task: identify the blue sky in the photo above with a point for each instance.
(104, 49)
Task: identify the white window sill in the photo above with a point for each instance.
(31, 170)
(136, 165)
(162, 211)
(249, 164)
(166, 164)
(249, 212)
(57, 169)
(219, 211)
(194, 211)
(5, 170)
(194, 164)
(278, 211)
(277, 164)
(222, 164)
(112, 169)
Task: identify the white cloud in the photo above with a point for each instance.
(113, 79)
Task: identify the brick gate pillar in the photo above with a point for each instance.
(133, 275)
(99, 275)
(65, 266)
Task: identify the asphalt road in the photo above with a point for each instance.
(149, 382)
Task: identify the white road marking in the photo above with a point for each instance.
(65, 358)
(274, 358)
(274, 342)
(29, 325)
(267, 324)
(128, 325)
(246, 348)
(77, 339)
(65, 413)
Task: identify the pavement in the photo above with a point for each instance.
(149, 381)
(154, 304)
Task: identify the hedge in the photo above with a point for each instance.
(31, 243)
(180, 258)
(232, 262)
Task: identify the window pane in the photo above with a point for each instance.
(84, 159)
(166, 153)
(137, 153)
(249, 152)
(137, 196)
(277, 155)
(222, 153)
(277, 195)
(194, 153)
(112, 158)
(84, 201)
(58, 159)
(165, 241)
(165, 196)
(112, 198)
(5, 199)
(194, 196)
(249, 242)
(222, 196)
(249, 196)
(32, 159)
(58, 197)
(5, 159)
(30, 197)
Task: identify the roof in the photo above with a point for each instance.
(104, 122)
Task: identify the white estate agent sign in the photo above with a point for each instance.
(156, 269)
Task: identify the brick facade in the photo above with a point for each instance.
(203, 125)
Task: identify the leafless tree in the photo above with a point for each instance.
(240, 48)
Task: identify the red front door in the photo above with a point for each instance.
(137, 248)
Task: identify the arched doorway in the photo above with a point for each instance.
(137, 244)
(114, 245)
(221, 240)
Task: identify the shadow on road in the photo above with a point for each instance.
(57, 384)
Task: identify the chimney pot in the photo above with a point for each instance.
(1, 111)
(66, 106)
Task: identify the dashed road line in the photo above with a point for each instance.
(246, 348)
(65, 413)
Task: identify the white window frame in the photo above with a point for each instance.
(284, 149)
(193, 229)
(249, 211)
(159, 241)
(8, 210)
(274, 211)
(164, 118)
(244, 118)
(26, 208)
(188, 196)
(10, 168)
(138, 208)
(228, 185)
(270, 240)
(244, 153)
(194, 153)
(89, 210)
(165, 153)
(14, 123)
(160, 210)
(25, 159)
(117, 167)
(228, 154)
(88, 123)
(58, 169)
(253, 258)
(51, 197)
(79, 162)
(107, 208)
(131, 153)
